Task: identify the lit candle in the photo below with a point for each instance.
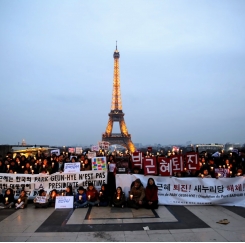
(32, 171)
(6, 199)
(212, 167)
(31, 167)
(230, 172)
(22, 166)
(109, 163)
(117, 198)
(52, 164)
(131, 196)
(19, 200)
(224, 166)
(185, 169)
(43, 166)
(100, 193)
(62, 194)
(88, 197)
(80, 197)
(202, 175)
(47, 173)
(220, 166)
(19, 163)
(15, 172)
(8, 166)
(219, 174)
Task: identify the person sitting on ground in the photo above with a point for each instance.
(80, 198)
(22, 200)
(136, 195)
(151, 194)
(92, 195)
(68, 191)
(8, 199)
(52, 198)
(103, 196)
(119, 199)
(41, 200)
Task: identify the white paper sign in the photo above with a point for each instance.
(55, 151)
(91, 155)
(72, 167)
(79, 150)
(64, 202)
(41, 199)
(95, 148)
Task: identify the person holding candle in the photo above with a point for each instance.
(22, 200)
(136, 195)
(8, 199)
(119, 199)
(103, 196)
(151, 194)
(111, 179)
(87, 164)
(68, 191)
(92, 195)
(2, 167)
(205, 173)
(52, 197)
(81, 198)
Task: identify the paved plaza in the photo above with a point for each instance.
(167, 223)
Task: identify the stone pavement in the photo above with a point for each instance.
(167, 223)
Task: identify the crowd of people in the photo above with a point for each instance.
(139, 196)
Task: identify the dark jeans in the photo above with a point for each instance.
(154, 205)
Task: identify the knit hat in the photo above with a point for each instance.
(80, 188)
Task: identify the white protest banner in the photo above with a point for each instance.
(59, 181)
(95, 148)
(91, 155)
(71, 150)
(55, 151)
(72, 167)
(79, 150)
(191, 191)
(41, 199)
(64, 202)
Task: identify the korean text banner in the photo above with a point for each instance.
(59, 181)
(191, 191)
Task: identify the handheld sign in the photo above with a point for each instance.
(72, 167)
(41, 199)
(64, 202)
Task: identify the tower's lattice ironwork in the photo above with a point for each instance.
(116, 114)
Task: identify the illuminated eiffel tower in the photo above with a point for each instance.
(116, 114)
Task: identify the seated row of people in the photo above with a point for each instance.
(138, 197)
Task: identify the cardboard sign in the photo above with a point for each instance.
(64, 202)
(99, 163)
(72, 167)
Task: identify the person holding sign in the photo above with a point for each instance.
(92, 195)
(22, 200)
(81, 198)
(41, 201)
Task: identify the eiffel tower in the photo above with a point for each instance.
(116, 114)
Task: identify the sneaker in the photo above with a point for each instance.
(112, 205)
